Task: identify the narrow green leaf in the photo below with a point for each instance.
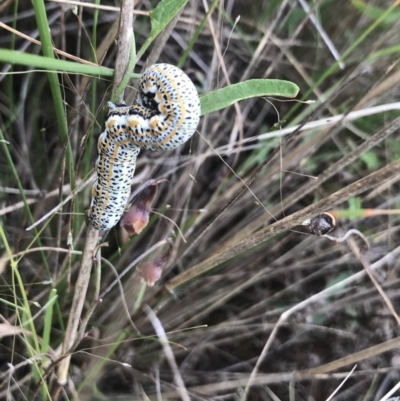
(196, 35)
(51, 64)
(48, 319)
(225, 97)
(375, 12)
(371, 159)
(373, 57)
(55, 87)
(160, 18)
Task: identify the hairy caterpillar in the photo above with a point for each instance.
(165, 114)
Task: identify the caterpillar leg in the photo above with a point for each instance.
(113, 106)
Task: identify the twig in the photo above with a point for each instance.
(323, 122)
(81, 287)
(347, 235)
(168, 352)
(367, 268)
(341, 384)
(322, 32)
(90, 311)
(392, 391)
(125, 42)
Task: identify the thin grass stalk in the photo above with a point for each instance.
(334, 67)
(286, 223)
(335, 168)
(47, 47)
(168, 352)
(196, 35)
(24, 315)
(13, 169)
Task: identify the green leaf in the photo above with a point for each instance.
(48, 63)
(55, 86)
(160, 18)
(373, 57)
(225, 97)
(376, 12)
(354, 203)
(196, 34)
(48, 319)
(370, 159)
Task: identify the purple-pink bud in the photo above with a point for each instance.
(151, 270)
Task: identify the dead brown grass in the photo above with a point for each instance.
(251, 305)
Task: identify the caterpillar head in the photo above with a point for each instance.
(167, 111)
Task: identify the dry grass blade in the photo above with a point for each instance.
(367, 268)
(318, 298)
(287, 223)
(341, 384)
(391, 392)
(97, 6)
(80, 293)
(168, 353)
(356, 357)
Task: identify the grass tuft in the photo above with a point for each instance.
(300, 116)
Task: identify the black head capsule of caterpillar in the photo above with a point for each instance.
(322, 224)
(169, 103)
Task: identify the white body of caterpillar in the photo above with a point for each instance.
(165, 114)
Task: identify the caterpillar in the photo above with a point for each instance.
(165, 114)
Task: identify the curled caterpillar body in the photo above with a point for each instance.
(173, 106)
(165, 114)
(115, 167)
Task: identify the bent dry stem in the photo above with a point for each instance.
(81, 287)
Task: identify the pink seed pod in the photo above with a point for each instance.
(151, 270)
(137, 217)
